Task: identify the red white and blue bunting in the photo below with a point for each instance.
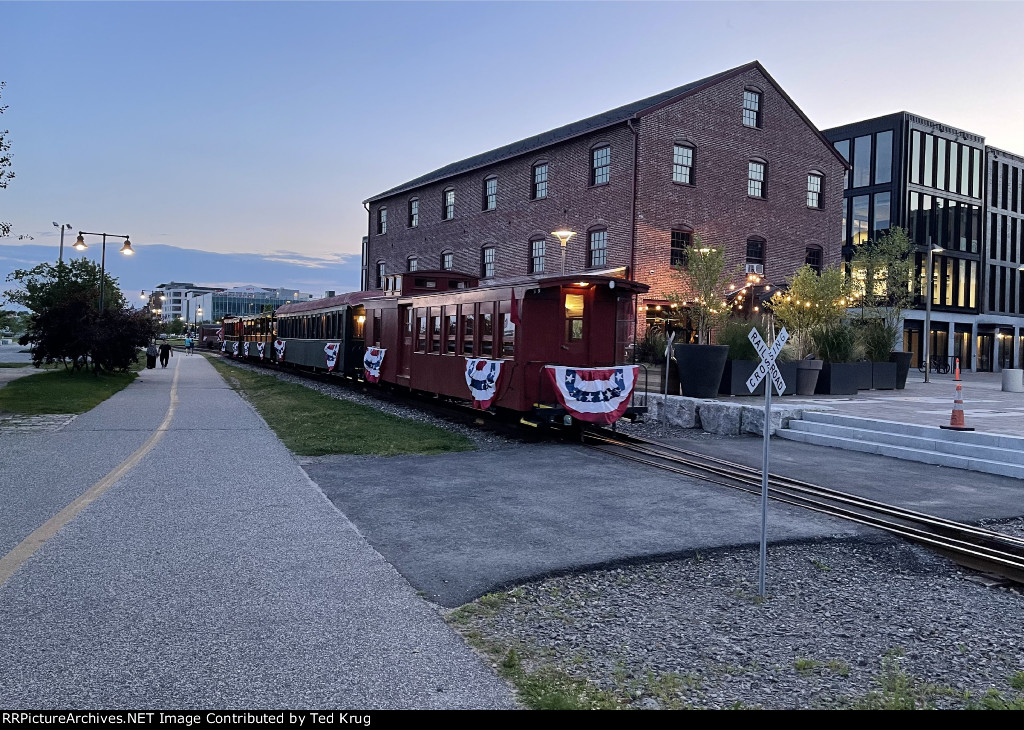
(245, 349)
(371, 363)
(279, 349)
(224, 346)
(234, 349)
(594, 395)
(260, 348)
(482, 379)
(331, 350)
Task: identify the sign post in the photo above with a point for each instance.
(668, 356)
(768, 370)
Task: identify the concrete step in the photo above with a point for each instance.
(990, 454)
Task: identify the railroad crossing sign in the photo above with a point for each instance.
(768, 356)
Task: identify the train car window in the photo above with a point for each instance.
(486, 329)
(421, 338)
(377, 332)
(467, 330)
(508, 335)
(358, 327)
(452, 332)
(435, 332)
(573, 317)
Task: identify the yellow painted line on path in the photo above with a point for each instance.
(28, 547)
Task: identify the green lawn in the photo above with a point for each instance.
(15, 364)
(312, 424)
(61, 391)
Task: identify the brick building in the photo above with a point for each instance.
(729, 159)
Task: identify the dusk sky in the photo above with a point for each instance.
(235, 141)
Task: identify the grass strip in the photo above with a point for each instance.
(15, 364)
(312, 424)
(62, 391)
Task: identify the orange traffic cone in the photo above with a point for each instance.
(956, 419)
(957, 378)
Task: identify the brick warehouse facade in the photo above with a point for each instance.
(631, 183)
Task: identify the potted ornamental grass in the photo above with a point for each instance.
(836, 345)
(743, 359)
(704, 279)
(810, 302)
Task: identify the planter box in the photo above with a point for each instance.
(808, 373)
(700, 369)
(883, 375)
(863, 374)
(788, 370)
(902, 360)
(837, 378)
(734, 378)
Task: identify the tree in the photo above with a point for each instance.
(5, 163)
(66, 325)
(883, 274)
(812, 301)
(704, 279)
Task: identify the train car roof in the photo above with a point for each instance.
(599, 276)
(351, 299)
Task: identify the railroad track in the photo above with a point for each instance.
(982, 550)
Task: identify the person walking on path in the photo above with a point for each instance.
(166, 353)
(188, 344)
(151, 353)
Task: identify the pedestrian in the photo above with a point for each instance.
(151, 353)
(188, 344)
(166, 352)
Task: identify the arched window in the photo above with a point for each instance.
(448, 204)
(752, 99)
(447, 261)
(755, 252)
(412, 263)
(539, 180)
(414, 212)
(487, 260)
(597, 247)
(757, 178)
(600, 164)
(815, 189)
(490, 193)
(380, 274)
(537, 247)
(682, 240)
(382, 220)
(683, 156)
(814, 258)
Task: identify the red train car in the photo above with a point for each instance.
(549, 346)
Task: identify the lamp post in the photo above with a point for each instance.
(64, 227)
(126, 249)
(563, 237)
(198, 315)
(932, 250)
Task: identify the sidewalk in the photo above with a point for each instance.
(215, 574)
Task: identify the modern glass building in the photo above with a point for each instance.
(240, 300)
(931, 179)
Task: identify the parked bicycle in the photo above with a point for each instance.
(939, 364)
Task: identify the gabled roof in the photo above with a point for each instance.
(591, 124)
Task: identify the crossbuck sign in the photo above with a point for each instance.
(768, 356)
(768, 367)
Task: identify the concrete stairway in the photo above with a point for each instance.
(984, 452)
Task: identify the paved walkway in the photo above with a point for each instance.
(211, 574)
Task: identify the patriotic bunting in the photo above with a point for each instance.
(279, 349)
(331, 350)
(260, 347)
(482, 379)
(371, 363)
(234, 349)
(594, 395)
(224, 346)
(245, 349)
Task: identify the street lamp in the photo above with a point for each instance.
(932, 250)
(195, 321)
(66, 226)
(126, 249)
(563, 237)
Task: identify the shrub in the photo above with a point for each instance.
(652, 347)
(835, 342)
(735, 333)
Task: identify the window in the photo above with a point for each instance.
(915, 157)
(751, 108)
(380, 274)
(600, 165)
(598, 251)
(681, 242)
(435, 330)
(755, 250)
(487, 262)
(539, 186)
(814, 185)
(755, 179)
(382, 220)
(448, 207)
(467, 329)
(490, 201)
(421, 331)
(813, 257)
(487, 329)
(573, 317)
(451, 329)
(682, 164)
(447, 261)
(862, 161)
(843, 148)
(881, 222)
(537, 256)
(414, 213)
(411, 263)
(883, 157)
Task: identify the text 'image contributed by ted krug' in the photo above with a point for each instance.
(294, 719)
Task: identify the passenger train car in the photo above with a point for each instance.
(545, 347)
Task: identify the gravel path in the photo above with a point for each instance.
(845, 624)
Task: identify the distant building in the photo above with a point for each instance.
(217, 303)
(730, 159)
(170, 301)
